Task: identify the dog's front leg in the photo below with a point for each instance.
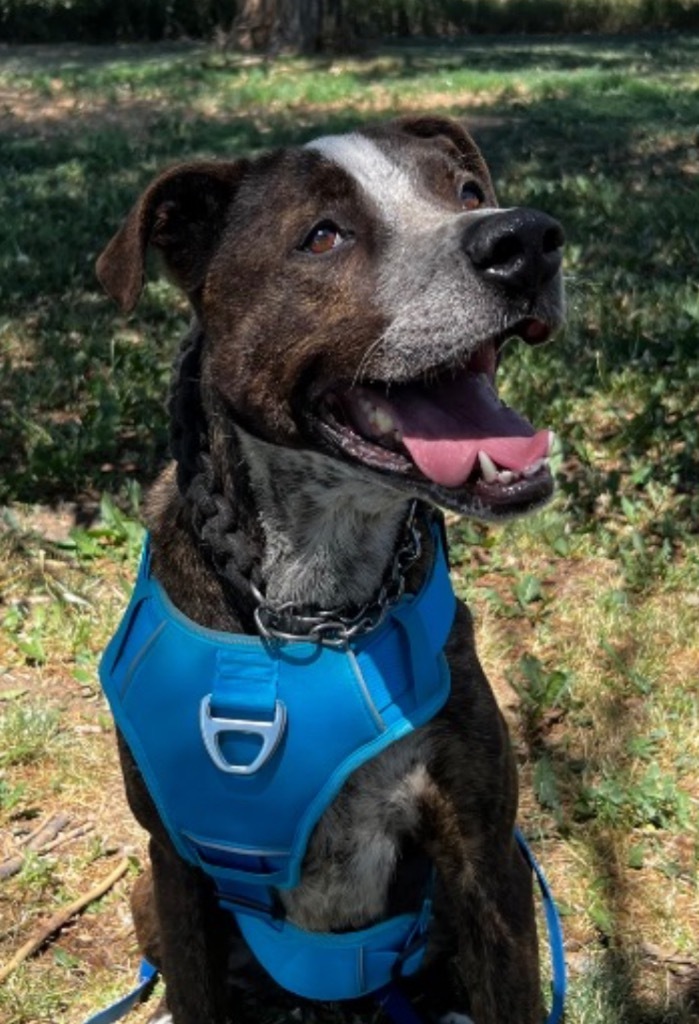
(487, 891)
(178, 919)
(497, 944)
(193, 940)
(487, 884)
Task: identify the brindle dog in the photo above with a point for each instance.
(350, 302)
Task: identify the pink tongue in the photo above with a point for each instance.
(450, 462)
(445, 428)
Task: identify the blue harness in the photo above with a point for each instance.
(244, 743)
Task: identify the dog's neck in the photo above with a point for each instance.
(329, 537)
(295, 525)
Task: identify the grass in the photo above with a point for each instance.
(587, 614)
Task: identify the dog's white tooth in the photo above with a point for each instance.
(534, 468)
(376, 418)
(506, 476)
(383, 421)
(552, 441)
(488, 467)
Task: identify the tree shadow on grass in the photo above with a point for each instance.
(618, 965)
(612, 801)
(168, 63)
(628, 55)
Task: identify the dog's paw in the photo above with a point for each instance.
(454, 1018)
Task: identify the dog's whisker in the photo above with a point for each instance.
(366, 359)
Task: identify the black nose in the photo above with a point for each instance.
(520, 248)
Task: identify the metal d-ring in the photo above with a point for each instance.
(269, 732)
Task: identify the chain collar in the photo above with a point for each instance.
(333, 628)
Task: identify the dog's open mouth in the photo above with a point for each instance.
(448, 431)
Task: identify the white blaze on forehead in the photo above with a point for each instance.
(389, 184)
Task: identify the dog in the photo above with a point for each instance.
(350, 302)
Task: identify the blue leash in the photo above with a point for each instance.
(555, 934)
(147, 977)
(391, 998)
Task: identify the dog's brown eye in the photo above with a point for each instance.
(323, 238)
(471, 196)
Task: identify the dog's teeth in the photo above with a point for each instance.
(535, 467)
(381, 422)
(488, 467)
(552, 441)
(491, 473)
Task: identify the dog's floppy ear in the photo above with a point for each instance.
(182, 214)
(454, 132)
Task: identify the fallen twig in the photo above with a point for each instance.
(11, 866)
(68, 837)
(46, 831)
(42, 839)
(61, 918)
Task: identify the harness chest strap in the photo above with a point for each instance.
(390, 997)
(243, 744)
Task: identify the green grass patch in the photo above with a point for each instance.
(26, 732)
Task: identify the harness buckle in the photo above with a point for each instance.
(269, 732)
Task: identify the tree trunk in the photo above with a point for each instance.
(252, 25)
(289, 26)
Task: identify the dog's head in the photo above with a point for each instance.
(354, 296)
